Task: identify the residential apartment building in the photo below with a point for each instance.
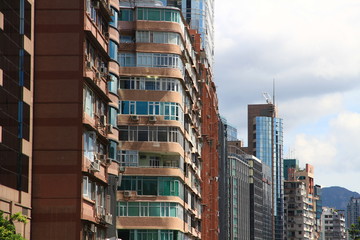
(16, 108)
(209, 152)
(312, 199)
(265, 141)
(352, 211)
(299, 215)
(159, 122)
(75, 164)
(333, 224)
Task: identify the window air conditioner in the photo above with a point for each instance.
(101, 157)
(109, 128)
(92, 228)
(109, 161)
(122, 169)
(95, 165)
(103, 120)
(97, 75)
(134, 118)
(152, 118)
(88, 64)
(127, 193)
(96, 4)
(103, 70)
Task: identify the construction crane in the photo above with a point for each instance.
(267, 98)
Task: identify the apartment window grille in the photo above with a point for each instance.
(146, 133)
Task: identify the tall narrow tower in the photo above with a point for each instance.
(265, 141)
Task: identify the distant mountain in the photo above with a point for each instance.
(337, 197)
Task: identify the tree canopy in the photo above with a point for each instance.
(7, 227)
(354, 230)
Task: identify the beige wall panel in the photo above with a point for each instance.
(149, 71)
(150, 223)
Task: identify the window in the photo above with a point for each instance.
(146, 133)
(170, 111)
(158, 37)
(89, 102)
(114, 18)
(127, 59)
(158, 14)
(113, 116)
(113, 84)
(126, 15)
(156, 84)
(150, 209)
(112, 150)
(113, 50)
(154, 161)
(89, 145)
(129, 158)
(156, 186)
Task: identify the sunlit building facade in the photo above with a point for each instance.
(265, 141)
(159, 122)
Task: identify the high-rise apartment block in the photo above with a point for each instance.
(352, 211)
(16, 108)
(75, 166)
(162, 85)
(109, 119)
(265, 141)
(299, 216)
(333, 224)
(305, 209)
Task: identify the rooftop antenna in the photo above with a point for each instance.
(274, 91)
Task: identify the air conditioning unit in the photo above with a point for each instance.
(122, 169)
(134, 118)
(152, 118)
(108, 218)
(109, 161)
(96, 4)
(103, 70)
(95, 166)
(101, 157)
(127, 193)
(92, 228)
(109, 128)
(88, 64)
(103, 120)
(97, 75)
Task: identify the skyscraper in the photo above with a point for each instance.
(265, 141)
(16, 108)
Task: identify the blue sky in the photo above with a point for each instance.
(312, 49)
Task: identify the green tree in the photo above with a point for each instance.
(7, 227)
(354, 230)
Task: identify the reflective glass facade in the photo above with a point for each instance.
(269, 148)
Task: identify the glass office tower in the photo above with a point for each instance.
(265, 139)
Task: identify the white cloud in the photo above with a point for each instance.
(335, 151)
(312, 50)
